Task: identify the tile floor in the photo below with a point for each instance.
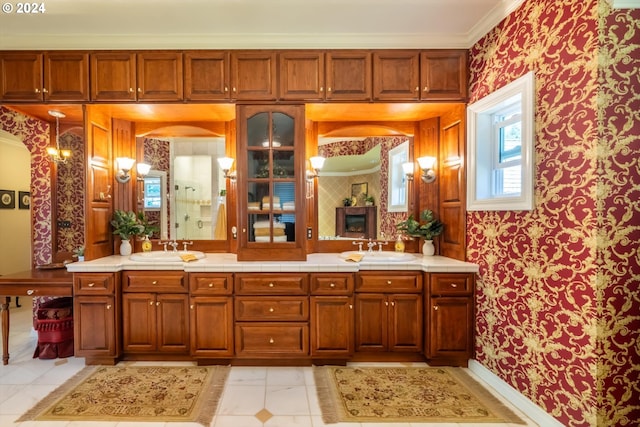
(253, 396)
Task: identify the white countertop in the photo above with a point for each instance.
(316, 262)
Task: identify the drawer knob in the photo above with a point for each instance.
(332, 285)
(435, 307)
(150, 302)
(191, 306)
(454, 285)
(30, 292)
(155, 282)
(211, 285)
(388, 282)
(271, 341)
(157, 303)
(108, 306)
(271, 310)
(91, 285)
(271, 285)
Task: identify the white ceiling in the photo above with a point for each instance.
(250, 24)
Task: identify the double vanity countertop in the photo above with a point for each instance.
(316, 262)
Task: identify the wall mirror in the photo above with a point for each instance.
(185, 193)
(358, 162)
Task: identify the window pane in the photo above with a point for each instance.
(510, 142)
(508, 181)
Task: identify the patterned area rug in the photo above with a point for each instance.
(135, 393)
(426, 395)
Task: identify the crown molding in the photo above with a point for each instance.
(492, 19)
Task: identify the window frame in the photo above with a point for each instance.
(481, 148)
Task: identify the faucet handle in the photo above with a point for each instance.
(381, 244)
(164, 244)
(185, 244)
(359, 245)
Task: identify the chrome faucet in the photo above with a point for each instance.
(359, 245)
(381, 244)
(185, 244)
(370, 245)
(174, 245)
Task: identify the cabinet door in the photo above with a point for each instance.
(113, 76)
(66, 76)
(302, 75)
(405, 322)
(172, 323)
(443, 75)
(211, 327)
(371, 322)
(21, 76)
(253, 75)
(159, 76)
(348, 75)
(139, 322)
(396, 75)
(451, 328)
(332, 320)
(206, 76)
(95, 332)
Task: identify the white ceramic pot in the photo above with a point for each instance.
(427, 248)
(125, 248)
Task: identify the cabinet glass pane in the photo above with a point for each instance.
(267, 228)
(258, 130)
(257, 192)
(283, 164)
(258, 164)
(282, 130)
(285, 194)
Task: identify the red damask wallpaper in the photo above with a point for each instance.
(557, 300)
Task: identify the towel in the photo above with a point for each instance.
(267, 238)
(188, 257)
(267, 232)
(354, 258)
(220, 232)
(265, 224)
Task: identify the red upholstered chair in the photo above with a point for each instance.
(54, 324)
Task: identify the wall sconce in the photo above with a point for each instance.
(143, 170)
(317, 162)
(123, 165)
(225, 164)
(57, 155)
(426, 164)
(407, 169)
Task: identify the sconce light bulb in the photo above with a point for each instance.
(143, 169)
(317, 162)
(407, 168)
(225, 163)
(426, 162)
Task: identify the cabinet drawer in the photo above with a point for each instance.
(280, 340)
(145, 281)
(210, 284)
(331, 284)
(271, 284)
(451, 284)
(389, 282)
(93, 284)
(268, 308)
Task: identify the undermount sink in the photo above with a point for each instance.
(162, 256)
(378, 256)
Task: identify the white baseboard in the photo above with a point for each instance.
(530, 409)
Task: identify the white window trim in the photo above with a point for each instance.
(478, 133)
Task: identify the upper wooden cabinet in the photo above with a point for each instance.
(302, 75)
(396, 75)
(254, 75)
(206, 75)
(443, 75)
(144, 76)
(37, 77)
(348, 75)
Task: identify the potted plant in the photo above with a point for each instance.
(126, 225)
(369, 200)
(79, 253)
(346, 201)
(427, 228)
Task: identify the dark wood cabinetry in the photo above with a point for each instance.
(396, 75)
(450, 308)
(254, 75)
(302, 75)
(96, 311)
(348, 75)
(206, 75)
(388, 312)
(38, 77)
(155, 312)
(143, 76)
(443, 75)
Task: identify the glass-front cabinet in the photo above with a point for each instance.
(271, 182)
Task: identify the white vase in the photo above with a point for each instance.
(427, 248)
(125, 248)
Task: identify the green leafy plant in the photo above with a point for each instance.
(428, 228)
(79, 251)
(127, 224)
(346, 201)
(149, 229)
(370, 199)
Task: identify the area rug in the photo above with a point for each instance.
(425, 395)
(135, 394)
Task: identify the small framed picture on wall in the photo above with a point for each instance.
(7, 199)
(24, 200)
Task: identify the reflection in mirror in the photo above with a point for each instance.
(195, 184)
(155, 203)
(356, 161)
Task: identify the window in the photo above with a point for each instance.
(500, 148)
(397, 185)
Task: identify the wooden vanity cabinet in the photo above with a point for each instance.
(450, 308)
(155, 313)
(136, 76)
(271, 316)
(96, 312)
(332, 315)
(50, 76)
(388, 311)
(211, 315)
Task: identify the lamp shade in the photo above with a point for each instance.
(143, 169)
(317, 162)
(407, 168)
(426, 162)
(125, 163)
(225, 163)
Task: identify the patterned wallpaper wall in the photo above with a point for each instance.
(331, 190)
(557, 300)
(70, 194)
(35, 136)
(157, 153)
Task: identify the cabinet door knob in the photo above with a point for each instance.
(91, 285)
(226, 89)
(386, 303)
(271, 310)
(108, 306)
(155, 282)
(157, 303)
(150, 302)
(393, 303)
(130, 89)
(350, 306)
(435, 307)
(211, 285)
(44, 90)
(329, 89)
(417, 89)
(30, 292)
(454, 285)
(233, 89)
(332, 285)
(139, 90)
(36, 90)
(388, 282)
(191, 306)
(271, 285)
(271, 340)
(426, 89)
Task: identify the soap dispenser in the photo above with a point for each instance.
(399, 244)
